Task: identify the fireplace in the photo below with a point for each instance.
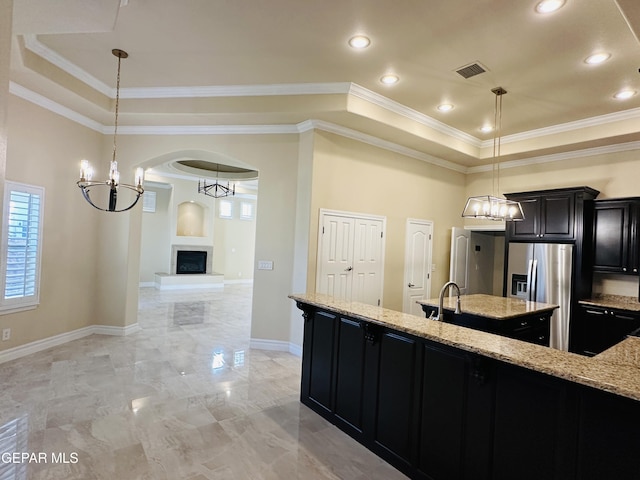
(191, 261)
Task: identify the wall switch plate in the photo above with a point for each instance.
(265, 265)
(6, 334)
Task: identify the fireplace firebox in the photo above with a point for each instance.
(191, 262)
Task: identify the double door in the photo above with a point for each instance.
(351, 256)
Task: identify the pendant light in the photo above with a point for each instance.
(216, 189)
(492, 207)
(111, 186)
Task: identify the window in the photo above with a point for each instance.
(246, 211)
(21, 246)
(226, 209)
(149, 201)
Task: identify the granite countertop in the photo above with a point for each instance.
(490, 306)
(616, 370)
(613, 301)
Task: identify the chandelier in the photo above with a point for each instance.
(112, 185)
(492, 207)
(216, 189)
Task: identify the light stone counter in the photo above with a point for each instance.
(490, 306)
(617, 370)
(613, 301)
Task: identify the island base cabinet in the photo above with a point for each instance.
(395, 406)
(609, 437)
(438, 412)
(455, 427)
(533, 421)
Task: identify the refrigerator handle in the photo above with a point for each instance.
(534, 281)
(529, 275)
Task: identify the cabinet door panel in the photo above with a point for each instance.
(321, 359)
(350, 373)
(611, 237)
(558, 216)
(609, 437)
(532, 437)
(443, 413)
(529, 227)
(396, 395)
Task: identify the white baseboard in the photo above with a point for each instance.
(277, 345)
(238, 280)
(40, 345)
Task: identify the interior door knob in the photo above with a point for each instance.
(348, 269)
(411, 285)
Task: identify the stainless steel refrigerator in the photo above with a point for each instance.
(541, 272)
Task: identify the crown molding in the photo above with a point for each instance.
(400, 109)
(44, 102)
(236, 90)
(32, 43)
(631, 114)
(37, 99)
(558, 157)
(378, 142)
(206, 129)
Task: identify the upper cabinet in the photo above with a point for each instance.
(550, 215)
(615, 236)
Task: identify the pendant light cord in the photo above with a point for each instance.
(115, 129)
(497, 122)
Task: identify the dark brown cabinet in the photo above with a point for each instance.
(437, 412)
(534, 328)
(550, 215)
(597, 328)
(615, 236)
(546, 217)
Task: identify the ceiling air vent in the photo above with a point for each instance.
(471, 70)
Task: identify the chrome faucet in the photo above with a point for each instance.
(438, 317)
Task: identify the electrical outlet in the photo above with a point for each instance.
(6, 334)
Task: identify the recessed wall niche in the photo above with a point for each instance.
(190, 221)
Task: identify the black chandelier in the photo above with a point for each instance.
(216, 190)
(86, 184)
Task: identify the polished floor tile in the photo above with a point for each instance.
(184, 398)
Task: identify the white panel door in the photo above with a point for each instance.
(418, 258)
(336, 266)
(460, 257)
(367, 261)
(351, 257)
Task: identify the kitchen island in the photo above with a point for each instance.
(440, 401)
(511, 317)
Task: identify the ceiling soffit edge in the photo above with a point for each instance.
(33, 44)
(61, 110)
(558, 157)
(631, 114)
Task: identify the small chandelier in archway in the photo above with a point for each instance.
(87, 185)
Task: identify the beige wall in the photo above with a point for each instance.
(45, 149)
(351, 176)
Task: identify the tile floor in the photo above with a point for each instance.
(184, 398)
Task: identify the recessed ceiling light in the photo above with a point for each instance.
(445, 107)
(389, 79)
(597, 58)
(548, 6)
(624, 94)
(359, 41)
(486, 128)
